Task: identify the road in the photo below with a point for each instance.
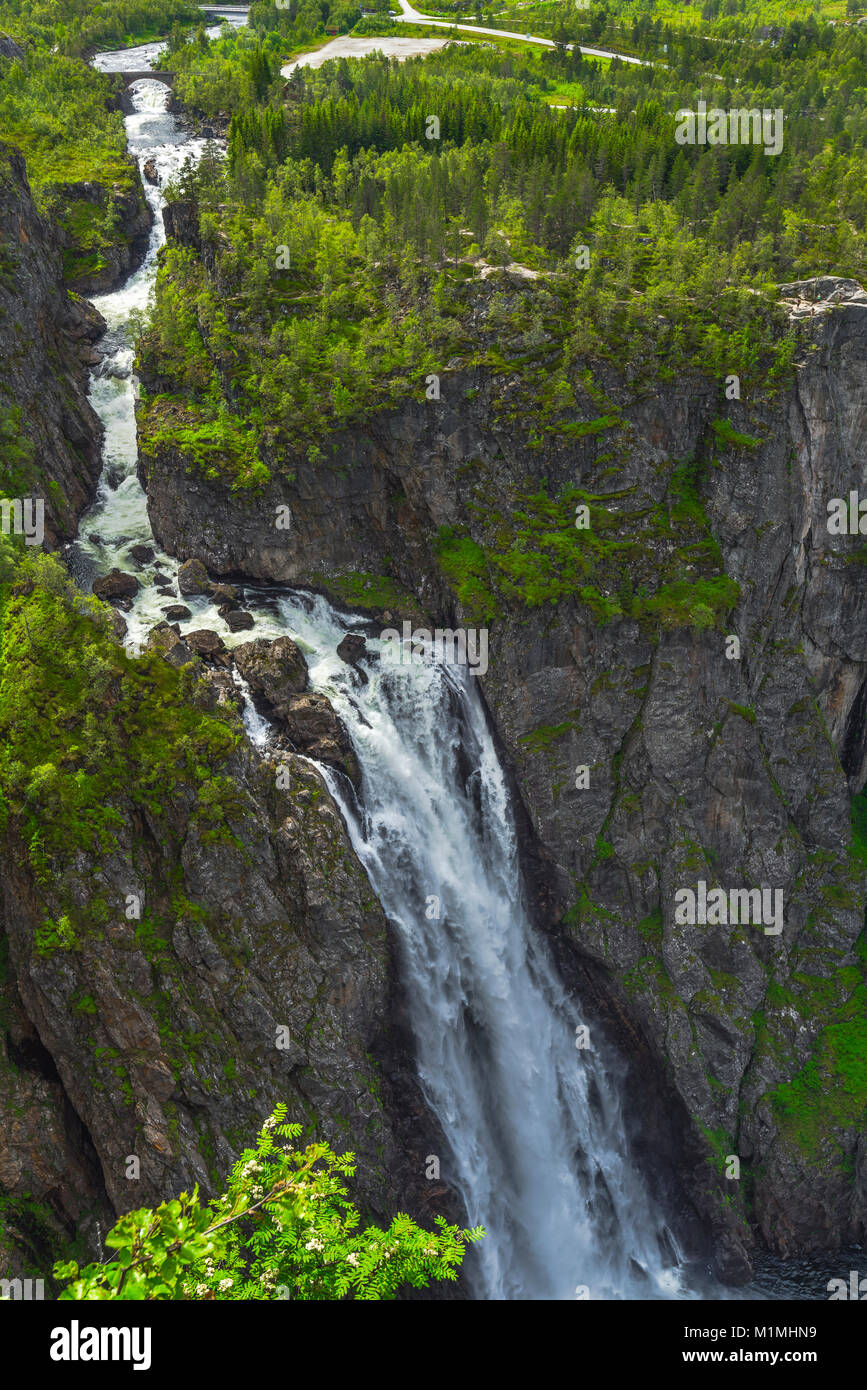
(411, 16)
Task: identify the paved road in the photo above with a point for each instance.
(411, 16)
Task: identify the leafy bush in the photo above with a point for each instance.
(284, 1228)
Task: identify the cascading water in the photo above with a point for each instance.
(532, 1122)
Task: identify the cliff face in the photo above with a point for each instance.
(166, 985)
(706, 760)
(92, 270)
(46, 338)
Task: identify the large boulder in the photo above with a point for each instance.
(168, 642)
(238, 619)
(193, 578)
(275, 671)
(115, 585)
(314, 729)
(206, 644)
(352, 648)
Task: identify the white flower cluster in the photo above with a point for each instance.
(314, 1245)
(352, 1259)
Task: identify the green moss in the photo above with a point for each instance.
(538, 555)
(581, 429)
(858, 815)
(222, 446)
(546, 734)
(830, 1092)
(650, 928)
(728, 435)
(369, 592)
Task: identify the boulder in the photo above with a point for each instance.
(206, 643)
(314, 729)
(193, 578)
(219, 691)
(352, 648)
(174, 611)
(237, 620)
(142, 554)
(224, 595)
(171, 647)
(115, 585)
(150, 172)
(276, 670)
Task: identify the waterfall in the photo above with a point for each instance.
(532, 1122)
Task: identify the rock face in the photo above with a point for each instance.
(650, 756)
(253, 968)
(132, 215)
(46, 338)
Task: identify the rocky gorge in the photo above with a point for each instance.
(739, 770)
(193, 925)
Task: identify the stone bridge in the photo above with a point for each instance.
(130, 77)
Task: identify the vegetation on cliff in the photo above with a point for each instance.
(283, 1229)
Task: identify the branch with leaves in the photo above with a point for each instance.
(284, 1228)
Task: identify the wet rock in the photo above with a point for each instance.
(166, 591)
(314, 729)
(193, 578)
(731, 1263)
(95, 538)
(143, 554)
(167, 641)
(276, 670)
(237, 620)
(174, 611)
(205, 643)
(224, 595)
(118, 371)
(352, 648)
(115, 585)
(151, 173)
